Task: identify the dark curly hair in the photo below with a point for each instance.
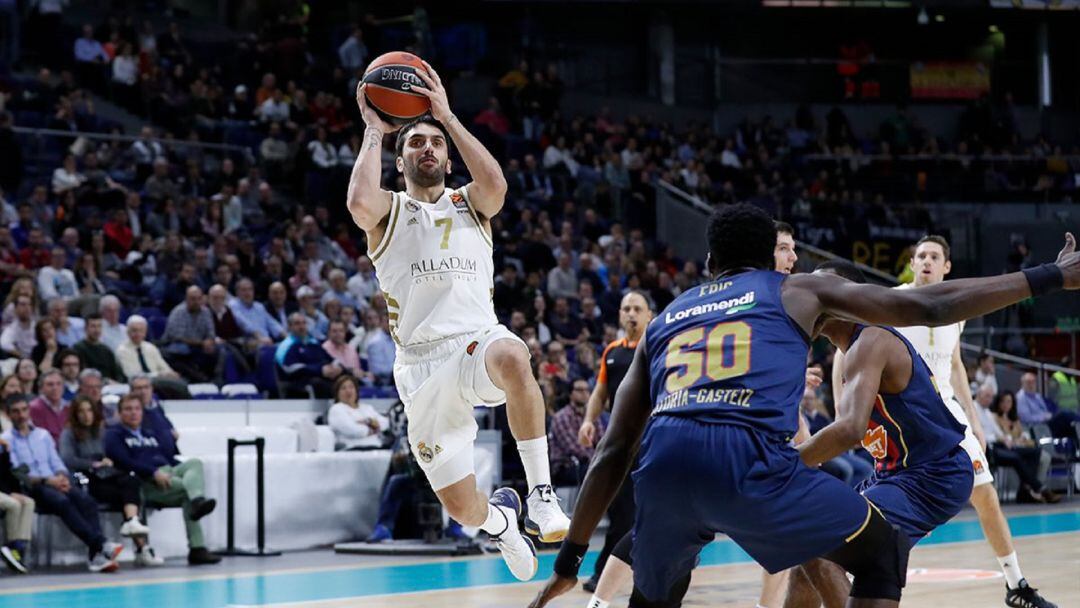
(741, 236)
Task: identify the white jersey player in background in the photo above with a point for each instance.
(432, 251)
(940, 348)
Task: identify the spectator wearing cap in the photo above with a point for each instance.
(303, 361)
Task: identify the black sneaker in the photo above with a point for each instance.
(1025, 596)
(201, 507)
(13, 559)
(199, 556)
(590, 585)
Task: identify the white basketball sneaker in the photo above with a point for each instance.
(517, 550)
(545, 518)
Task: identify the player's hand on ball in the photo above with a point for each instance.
(553, 588)
(1069, 262)
(586, 435)
(440, 106)
(369, 116)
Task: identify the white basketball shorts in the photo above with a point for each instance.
(440, 384)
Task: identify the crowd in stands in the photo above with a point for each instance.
(161, 263)
(71, 456)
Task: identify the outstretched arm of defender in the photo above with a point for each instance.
(368, 203)
(612, 460)
(863, 373)
(933, 305)
(487, 192)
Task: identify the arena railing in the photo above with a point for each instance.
(40, 135)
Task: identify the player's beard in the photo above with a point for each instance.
(425, 178)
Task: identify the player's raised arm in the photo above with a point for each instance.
(863, 374)
(487, 192)
(933, 305)
(612, 460)
(368, 203)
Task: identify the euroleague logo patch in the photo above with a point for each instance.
(471, 347)
(876, 441)
(458, 200)
(978, 465)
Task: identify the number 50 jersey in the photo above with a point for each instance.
(726, 352)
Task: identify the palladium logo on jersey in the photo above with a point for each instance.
(451, 263)
(731, 306)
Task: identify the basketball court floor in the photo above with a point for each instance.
(952, 568)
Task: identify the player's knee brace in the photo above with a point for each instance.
(624, 547)
(877, 558)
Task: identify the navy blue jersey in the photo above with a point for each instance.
(727, 352)
(913, 427)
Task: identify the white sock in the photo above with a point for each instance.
(496, 522)
(1011, 567)
(596, 602)
(534, 457)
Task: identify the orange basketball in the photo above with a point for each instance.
(390, 78)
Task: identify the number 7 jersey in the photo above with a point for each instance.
(727, 352)
(434, 265)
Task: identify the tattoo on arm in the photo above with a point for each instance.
(374, 139)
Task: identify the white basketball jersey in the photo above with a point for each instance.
(435, 268)
(936, 346)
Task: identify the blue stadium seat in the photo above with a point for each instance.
(156, 327)
(265, 378)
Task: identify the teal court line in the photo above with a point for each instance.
(270, 588)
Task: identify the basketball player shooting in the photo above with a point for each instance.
(432, 251)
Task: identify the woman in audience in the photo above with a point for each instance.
(23, 286)
(1004, 409)
(47, 346)
(1009, 444)
(27, 373)
(356, 425)
(82, 451)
